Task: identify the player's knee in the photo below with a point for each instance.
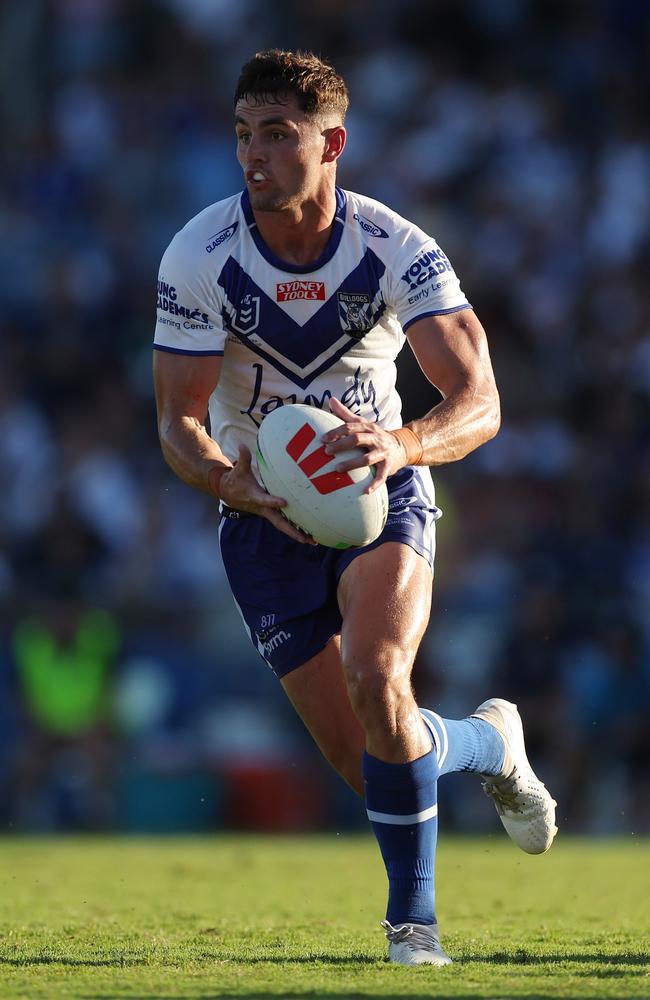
(379, 687)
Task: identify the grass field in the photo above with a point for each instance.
(298, 917)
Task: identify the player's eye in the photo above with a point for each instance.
(277, 136)
(243, 137)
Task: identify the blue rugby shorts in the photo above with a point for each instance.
(286, 591)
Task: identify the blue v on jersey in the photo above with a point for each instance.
(300, 334)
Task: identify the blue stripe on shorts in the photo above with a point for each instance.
(286, 592)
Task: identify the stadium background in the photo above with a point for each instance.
(518, 133)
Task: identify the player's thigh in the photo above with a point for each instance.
(318, 692)
(385, 601)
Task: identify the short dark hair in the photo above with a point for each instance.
(276, 75)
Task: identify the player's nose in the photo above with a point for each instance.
(254, 151)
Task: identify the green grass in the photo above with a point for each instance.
(298, 917)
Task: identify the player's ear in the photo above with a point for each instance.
(334, 143)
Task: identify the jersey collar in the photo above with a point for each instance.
(282, 265)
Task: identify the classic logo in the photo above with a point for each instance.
(221, 237)
(247, 317)
(328, 482)
(355, 313)
(370, 227)
(287, 291)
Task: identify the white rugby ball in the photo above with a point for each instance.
(330, 506)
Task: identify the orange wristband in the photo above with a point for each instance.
(214, 479)
(411, 444)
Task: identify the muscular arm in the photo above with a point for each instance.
(184, 384)
(452, 352)
(183, 387)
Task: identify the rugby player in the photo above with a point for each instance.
(297, 291)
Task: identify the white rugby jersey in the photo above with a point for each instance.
(300, 334)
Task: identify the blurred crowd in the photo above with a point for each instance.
(518, 134)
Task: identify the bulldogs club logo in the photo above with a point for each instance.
(355, 313)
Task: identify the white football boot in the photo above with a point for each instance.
(526, 808)
(415, 944)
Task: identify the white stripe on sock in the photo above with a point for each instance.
(436, 738)
(396, 820)
(444, 748)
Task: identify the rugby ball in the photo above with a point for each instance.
(330, 506)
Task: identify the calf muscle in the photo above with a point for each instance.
(318, 693)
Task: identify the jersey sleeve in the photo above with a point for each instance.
(422, 282)
(188, 314)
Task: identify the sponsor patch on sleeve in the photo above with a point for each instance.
(221, 237)
(369, 227)
(426, 267)
(167, 302)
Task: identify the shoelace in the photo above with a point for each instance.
(504, 794)
(397, 934)
(424, 937)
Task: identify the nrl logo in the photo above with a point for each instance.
(355, 313)
(247, 317)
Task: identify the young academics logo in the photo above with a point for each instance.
(288, 291)
(329, 482)
(426, 267)
(167, 301)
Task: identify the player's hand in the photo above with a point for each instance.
(239, 488)
(381, 448)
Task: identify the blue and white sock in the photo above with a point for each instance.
(464, 744)
(401, 800)
(402, 805)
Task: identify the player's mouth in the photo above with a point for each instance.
(256, 177)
